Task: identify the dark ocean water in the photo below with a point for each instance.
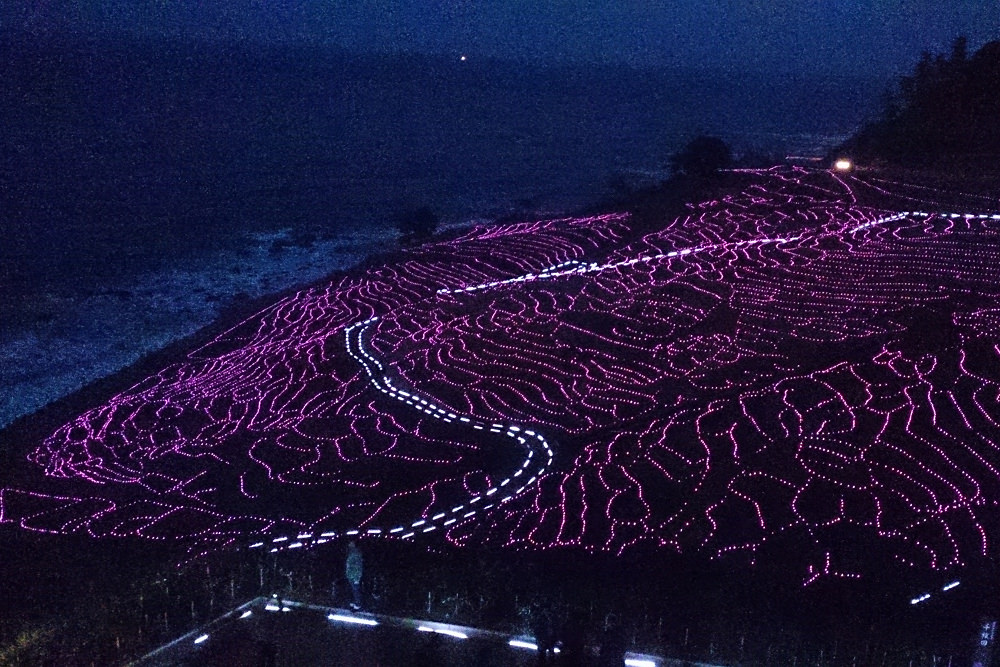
(117, 154)
(157, 166)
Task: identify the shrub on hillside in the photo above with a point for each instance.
(418, 224)
(702, 156)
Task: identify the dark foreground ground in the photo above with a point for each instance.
(70, 602)
(266, 631)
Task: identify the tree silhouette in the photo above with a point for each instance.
(948, 106)
(418, 224)
(702, 156)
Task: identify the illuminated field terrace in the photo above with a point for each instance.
(781, 371)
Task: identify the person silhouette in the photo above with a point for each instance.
(613, 643)
(541, 626)
(574, 639)
(353, 569)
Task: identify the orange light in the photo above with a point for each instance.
(843, 165)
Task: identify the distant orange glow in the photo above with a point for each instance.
(843, 165)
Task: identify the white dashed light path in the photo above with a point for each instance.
(577, 268)
(537, 459)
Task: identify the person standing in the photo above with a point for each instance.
(541, 626)
(612, 652)
(353, 569)
(574, 640)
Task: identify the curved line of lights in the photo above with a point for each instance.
(498, 494)
(577, 268)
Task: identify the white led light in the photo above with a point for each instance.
(352, 619)
(443, 631)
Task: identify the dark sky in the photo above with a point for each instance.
(872, 36)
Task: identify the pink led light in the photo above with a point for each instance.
(759, 371)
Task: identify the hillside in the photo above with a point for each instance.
(768, 370)
(790, 387)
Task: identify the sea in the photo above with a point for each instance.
(146, 185)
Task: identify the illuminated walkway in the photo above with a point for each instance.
(305, 634)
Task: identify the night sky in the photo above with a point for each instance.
(864, 36)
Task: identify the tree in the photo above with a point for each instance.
(959, 50)
(417, 224)
(703, 156)
(947, 107)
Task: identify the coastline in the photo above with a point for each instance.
(77, 349)
(73, 341)
(84, 339)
